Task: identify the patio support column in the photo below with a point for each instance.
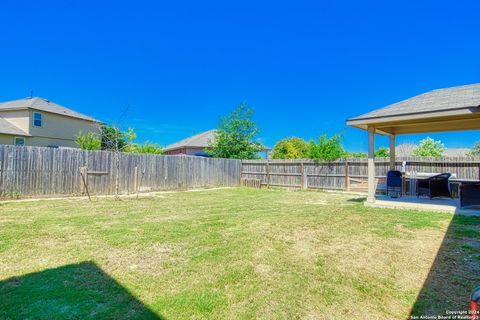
(392, 152)
(371, 165)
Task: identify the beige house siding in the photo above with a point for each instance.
(60, 127)
(56, 130)
(6, 139)
(19, 118)
(38, 141)
(50, 142)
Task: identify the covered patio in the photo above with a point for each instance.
(442, 110)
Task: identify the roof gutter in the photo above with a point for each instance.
(67, 115)
(14, 108)
(183, 147)
(60, 114)
(16, 134)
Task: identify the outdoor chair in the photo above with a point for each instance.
(436, 186)
(470, 194)
(394, 183)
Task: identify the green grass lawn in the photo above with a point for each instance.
(232, 254)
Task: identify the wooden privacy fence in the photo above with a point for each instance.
(37, 171)
(350, 174)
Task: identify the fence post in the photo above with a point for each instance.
(85, 174)
(347, 176)
(135, 184)
(85, 182)
(82, 177)
(9, 171)
(268, 174)
(303, 177)
(241, 172)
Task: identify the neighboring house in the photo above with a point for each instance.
(194, 146)
(39, 122)
(456, 152)
(406, 150)
(198, 144)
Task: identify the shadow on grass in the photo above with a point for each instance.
(75, 291)
(358, 200)
(455, 271)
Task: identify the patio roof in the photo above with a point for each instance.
(449, 109)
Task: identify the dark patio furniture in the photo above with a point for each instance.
(470, 194)
(394, 183)
(436, 186)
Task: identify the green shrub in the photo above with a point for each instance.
(89, 141)
(429, 148)
(290, 148)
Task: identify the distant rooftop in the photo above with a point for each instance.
(200, 140)
(41, 104)
(406, 150)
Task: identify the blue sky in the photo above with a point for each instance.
(171, 69)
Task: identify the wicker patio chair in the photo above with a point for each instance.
(394, 183)
(470, 194)
(436, 186)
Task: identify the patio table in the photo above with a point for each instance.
(470, 193)
(411, 178)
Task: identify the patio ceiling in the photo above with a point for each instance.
(450, 109)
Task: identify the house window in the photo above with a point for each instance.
(19, 141)
(37, 119)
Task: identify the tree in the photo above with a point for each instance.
(146, 148)
(114, 139)
(327, 149)
(357, 155)
(429, 148)
(234, 136)
(475, 152)
(382, 152)
(89, 141)
(290, 148)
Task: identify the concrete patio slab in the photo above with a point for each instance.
(422, 204)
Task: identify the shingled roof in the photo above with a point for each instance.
(436, 100)
(406, 150)
(200, 140)
(41, 104)
(449, 109)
